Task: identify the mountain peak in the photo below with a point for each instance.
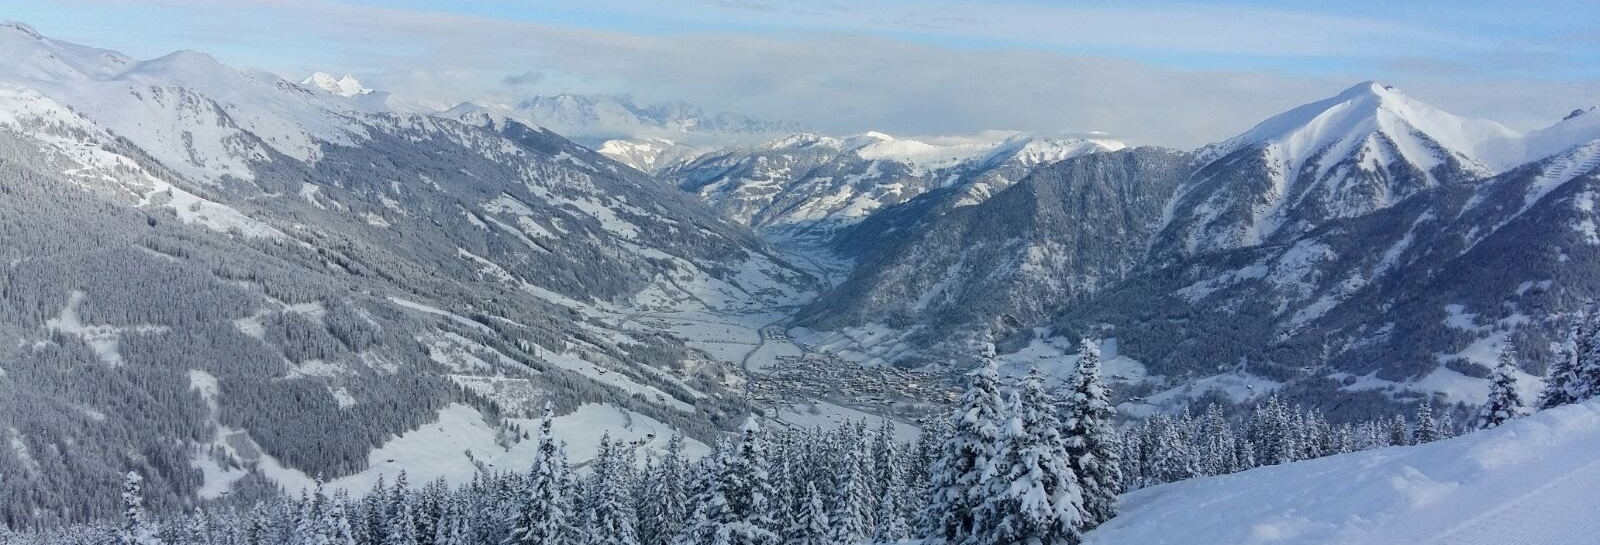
(347, 86)
(1341, 123)
(20, 27)
(1577, 112)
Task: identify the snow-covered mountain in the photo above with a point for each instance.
(806, 182)
(230, 282)
(1361, 250)
(650, 155)
(594, 119)
(1529, 481)
(347, 86)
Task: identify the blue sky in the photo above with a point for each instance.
(1150, 72)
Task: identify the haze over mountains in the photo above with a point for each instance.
(236, 282)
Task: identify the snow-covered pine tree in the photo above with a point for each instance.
(336, 521)
(851, 497)
(136, 527)
(1426, 429)
(1172, 460)
(699, 528)
(739, 510)
(891, 520)
(887, 461)
(1585, 382)
(541, 515)
(1399, 431)
(453, 526)
(1560, 377)
(812, 526)
(374, 505)
(666, 505)
(259, 531)
(957, 482)
(400, 522)
(1216, 442)
(609, 516)
(1084, 409)
(1504, 402)
(1034, 496)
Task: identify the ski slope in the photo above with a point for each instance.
(1532, 481)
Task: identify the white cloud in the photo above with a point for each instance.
(825, 68)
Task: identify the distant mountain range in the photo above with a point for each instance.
(1364, 247)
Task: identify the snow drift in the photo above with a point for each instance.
(1531, 481)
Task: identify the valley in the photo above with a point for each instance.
(339, 313)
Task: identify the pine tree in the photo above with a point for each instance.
(336, 521)
(375, 504)
(260, 530)
(1084, 409)
(540, 515)
(958, 481)
(891, 520)
(1585, 383)
(812, 526)
(136, 528)
(610, 518)
(665, 505)
(1034, 496)
(1504, 402)
(736, 507)
(400, 522)
(850, 517)
(1426, 430)
(1559, 379)
(1399, 431)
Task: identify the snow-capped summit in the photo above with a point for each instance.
(347, 86)
(1361, 150)
(1332, 129)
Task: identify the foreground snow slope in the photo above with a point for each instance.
(1532, 481)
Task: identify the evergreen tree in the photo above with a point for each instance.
(1585, 383)
(850, 517)
(541, 512)
(665, 505)
(1426, 430)
(735, 510)
(136, 528)
(1034, 496)
(1399, 431)
(891, 520)
(609, 515)
(812, 526)
(400, 521)
(1559, 378)
(958, 482)
(1504, 402)
(1084, 409)
(336, 520)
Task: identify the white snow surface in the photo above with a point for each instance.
(1344, 121)
(197, 116)
(1531, 481)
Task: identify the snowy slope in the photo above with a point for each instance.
(1340, 123)
(648, 154)
(201, 118)
(1532, 481)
